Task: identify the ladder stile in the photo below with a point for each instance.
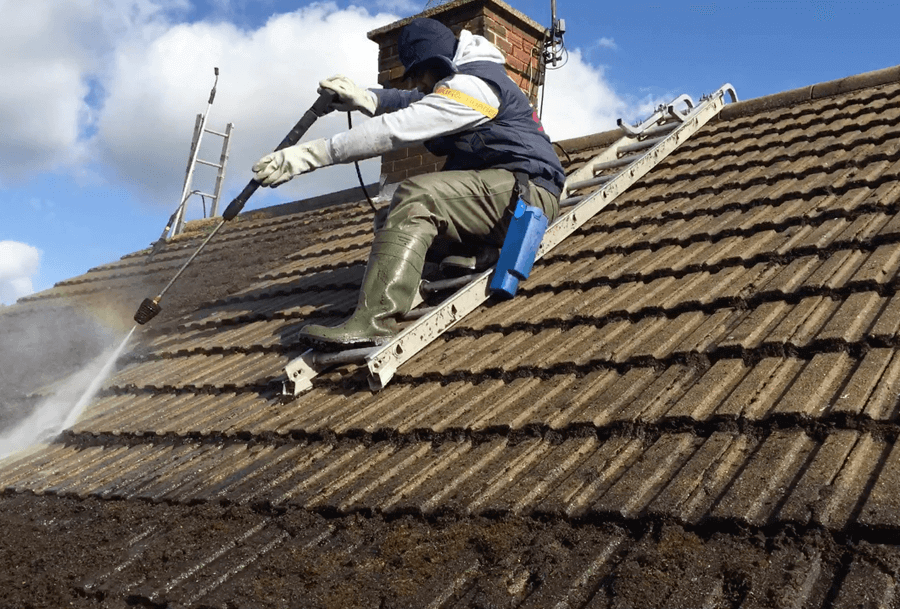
(383, 361)
(223, 160)
(176, 223)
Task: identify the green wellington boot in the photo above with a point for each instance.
(388, 288)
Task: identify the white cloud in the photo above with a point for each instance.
(40, 104)
(19, 262)
(406, 7)
(607, 43)
(52, 52)
(268, 79)
(132, 78)
(578, 101)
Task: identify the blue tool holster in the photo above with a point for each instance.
(523, 237)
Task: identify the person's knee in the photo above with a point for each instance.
(415, 205)
(548, 202)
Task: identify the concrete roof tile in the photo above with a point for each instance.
(693, 489)
(865, 582)
(888, 323)
(357, 489)
(260, 472)
(816, 388)
(652, 403)
(445, 483)
(853, 320)
(857, 394)
(880, 267)
(787, 278)
(761, 388)
(325, 474)
(882, 403)
(751, 328)
(661, 341)
(662, 460)
(708, 334)
(703, 398)
(827, 492)
(576, 494)
(836, 270)
(802, 322)
(881, 509)
(757, 491)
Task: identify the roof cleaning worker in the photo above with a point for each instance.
(466, 108)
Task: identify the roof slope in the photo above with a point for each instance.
(715, 351)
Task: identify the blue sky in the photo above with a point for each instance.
(98, 125)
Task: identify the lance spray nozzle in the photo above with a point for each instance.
(148, 310)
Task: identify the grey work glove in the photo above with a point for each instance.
(350, 96)
(280, 166)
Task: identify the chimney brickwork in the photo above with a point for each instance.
(520, 39)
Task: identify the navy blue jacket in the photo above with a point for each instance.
(513, 140)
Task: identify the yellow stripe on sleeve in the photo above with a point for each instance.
(467, 100)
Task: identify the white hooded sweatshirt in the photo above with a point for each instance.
(432, 116)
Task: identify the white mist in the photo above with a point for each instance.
(61, 410)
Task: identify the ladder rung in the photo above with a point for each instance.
(203, 194)
(447, 284)
(642, 145)
(216, 133)
(591, 182)
(570, 201)
(342, 357)
(419, 312)
(628, 160)
(661, 129)
(202, 162)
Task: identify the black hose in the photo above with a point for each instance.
(358, 172)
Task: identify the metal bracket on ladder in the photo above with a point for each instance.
(616, 169)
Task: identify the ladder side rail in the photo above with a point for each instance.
(220, 177)
(186, 192)
(581, 213)
(177, 223)
(383, 363)
(195, 150)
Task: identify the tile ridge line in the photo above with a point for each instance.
(812, 92)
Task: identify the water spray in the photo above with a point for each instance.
(94, 387)
(63, 409)
(150, 308)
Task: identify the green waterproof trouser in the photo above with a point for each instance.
(469, 207)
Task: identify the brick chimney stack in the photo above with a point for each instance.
(520, 39)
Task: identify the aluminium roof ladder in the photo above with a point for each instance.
(176, 223)
(619, 166)
(188, 191)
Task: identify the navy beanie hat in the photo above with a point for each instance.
(425, 41)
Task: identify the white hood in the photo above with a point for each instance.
(472, 47)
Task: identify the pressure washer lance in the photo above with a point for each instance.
(150, 308)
